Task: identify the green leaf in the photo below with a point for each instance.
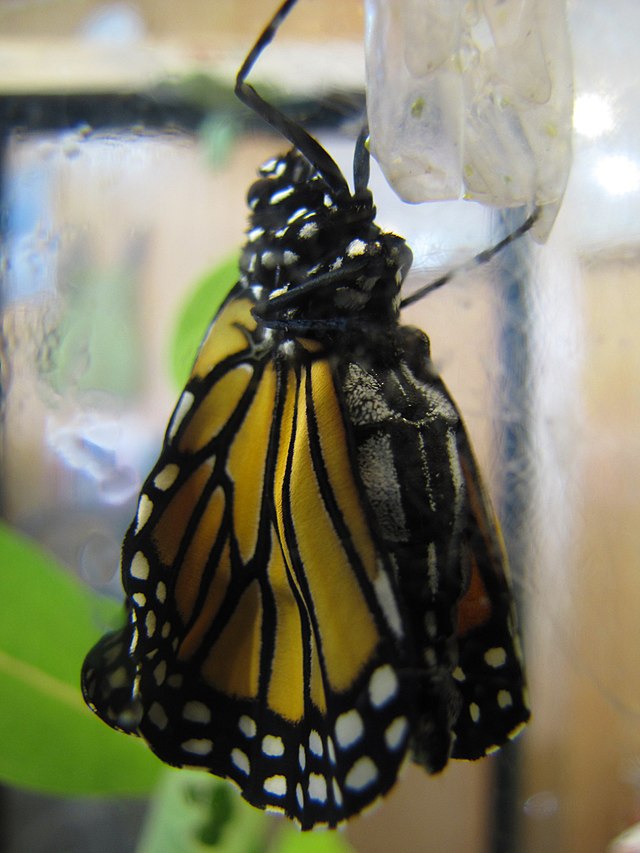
(291, 840)
(196, 316)
(193, 812)
(50, 740)
(196, 813)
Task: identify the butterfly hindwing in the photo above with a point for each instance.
(490, 670)
(428, 503)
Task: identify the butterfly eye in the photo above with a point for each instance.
(315, 582)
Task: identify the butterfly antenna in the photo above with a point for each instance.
(291, 130)
(481, 258)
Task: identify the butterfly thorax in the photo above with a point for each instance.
(315, 259)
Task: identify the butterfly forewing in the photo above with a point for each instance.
(260, 649)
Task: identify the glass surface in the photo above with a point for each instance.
(109, 218)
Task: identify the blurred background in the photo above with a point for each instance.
(124, 168)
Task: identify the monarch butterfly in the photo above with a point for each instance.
(315, 582)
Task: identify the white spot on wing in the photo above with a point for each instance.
(240, 760)
(166, 478)
(495, 657)
(160, 673)
(139, 599)
(247, 726)
(150, 623)
(145, 508)
(184, 404)
(337, 793)
(331, 750)
(118, 678)
(317, 788)
(196, 712)
(396, 733)
(458, 674)
(198, 746)
(139, 567)
(276, 785)
(516, 731)
(134, 641)
(387, 601)
(161, 592)
(157, 716)
(505, 700)
(349, 728)
(315, 743)
(383, 686)
(302, 757)
(474, 712)
(363, 774)
(272, 745)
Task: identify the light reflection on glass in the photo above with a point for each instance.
(618, 174)
(592, 115)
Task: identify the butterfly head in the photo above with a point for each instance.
(316, 255)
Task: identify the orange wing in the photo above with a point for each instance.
(264, 641)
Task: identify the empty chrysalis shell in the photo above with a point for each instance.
(473, 99)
